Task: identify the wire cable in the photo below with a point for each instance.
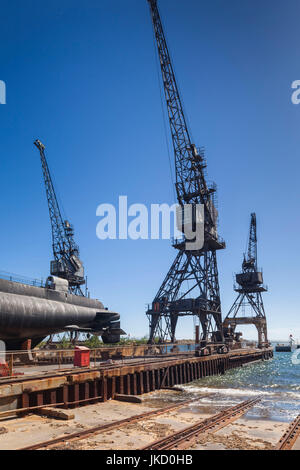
(161, 93)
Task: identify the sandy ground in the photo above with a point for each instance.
(297, 445)
(244, 433)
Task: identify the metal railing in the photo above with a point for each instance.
(22, 279)
(15, 363)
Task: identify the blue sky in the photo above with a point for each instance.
(82, 77)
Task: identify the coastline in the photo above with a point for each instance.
(245, 433)
(275, 382)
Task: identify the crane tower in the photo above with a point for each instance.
(191, 287)
(66, 263)
(249, 286)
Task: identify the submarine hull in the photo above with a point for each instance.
(28, 312)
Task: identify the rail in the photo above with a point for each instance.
(107, 427)
(22, 279)
(290, 436)
(186, 438)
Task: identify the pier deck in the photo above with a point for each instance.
(69, 388)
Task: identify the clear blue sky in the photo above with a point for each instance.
(81, 76)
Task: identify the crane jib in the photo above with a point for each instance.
(66, 263)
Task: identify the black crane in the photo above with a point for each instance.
(191, 286)
(249, 286)
(66, 263)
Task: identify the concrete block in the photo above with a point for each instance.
(128, 398)
(55, 413)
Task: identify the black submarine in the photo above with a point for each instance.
(28, 312)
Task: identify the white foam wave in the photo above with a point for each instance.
(225, 391)
(238, 392)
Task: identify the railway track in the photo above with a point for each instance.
(290, 436)
(107, 427)
(186, 438)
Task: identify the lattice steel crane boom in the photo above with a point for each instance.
(249, 286)
(191, 286)
(66, 263)
(250, 261)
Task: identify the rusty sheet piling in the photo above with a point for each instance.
(81, 387)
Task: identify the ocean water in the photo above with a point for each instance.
(276, 382)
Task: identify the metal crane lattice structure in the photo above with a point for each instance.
(249, 286)
(191, 286)
(66, 263)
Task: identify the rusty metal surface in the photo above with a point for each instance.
(185, 438)
(290, 436)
